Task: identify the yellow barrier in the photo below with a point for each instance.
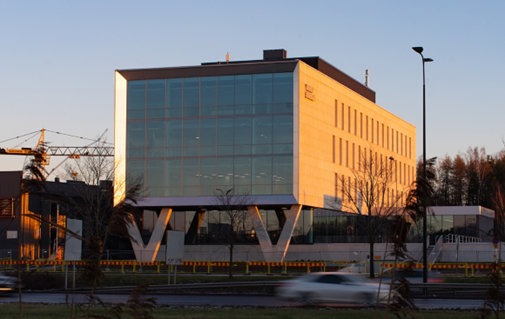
(37, 264)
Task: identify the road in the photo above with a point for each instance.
(221, 300)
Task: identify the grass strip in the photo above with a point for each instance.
(42, 311)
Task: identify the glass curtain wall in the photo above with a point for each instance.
(216, 223)
(189, 136)
(465, 225)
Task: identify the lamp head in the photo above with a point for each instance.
(427, 60)
(418, 49)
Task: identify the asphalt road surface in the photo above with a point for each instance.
(220, 300)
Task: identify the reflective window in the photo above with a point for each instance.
(174, 172)
(283, 170)
(136, 95)
(262, 170)
(242, 171)
(207, 171)
(262, 88)
(225, 131)
(190, 172)
(154, 174)
(448, 224)
(191, 133)
(243, 89)
(174, 133)
(208, 132)
(174, 93)
(135, 170)
(283, 87)
(459, 225)
(208, 91)
(262, 130)
(156, 94)
(191, 95)
(155, 136)
(243, 109)
(175, 112)
(208, 111)
(259, 109)
(279, 108)
(471, 226)
(190, 111)
(135, 135)
(243, 131)
(212, 132)
(283, 129)
(224, 172)
(225, 90)
(155, 114)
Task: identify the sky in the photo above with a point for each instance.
(58, 59)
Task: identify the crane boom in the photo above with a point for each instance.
(42, 152)
(63, 151)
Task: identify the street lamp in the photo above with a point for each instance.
(391, 158)
(425, 260)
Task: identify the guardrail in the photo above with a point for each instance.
(208, 267)
(448, 290)
(444, 266)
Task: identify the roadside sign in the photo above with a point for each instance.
(175, 247)
(495, 240)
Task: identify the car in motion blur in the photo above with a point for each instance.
(7, 283)
(325, 287)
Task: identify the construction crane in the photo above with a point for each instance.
(42, 153)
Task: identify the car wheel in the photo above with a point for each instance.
(308, 299)
(367, 298)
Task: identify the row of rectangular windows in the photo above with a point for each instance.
(405, 179)
(374, 131)
(390, 197)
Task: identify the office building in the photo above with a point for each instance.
(282, 130)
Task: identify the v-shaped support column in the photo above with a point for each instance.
(148, 252)
(277, 252)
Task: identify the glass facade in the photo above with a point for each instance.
(189, 136)
(464, 225)
(337, 227)
(215, 223)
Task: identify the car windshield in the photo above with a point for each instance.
(357, 279)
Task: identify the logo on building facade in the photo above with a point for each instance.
(309, 92)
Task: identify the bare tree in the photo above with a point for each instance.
(444, 187)
(90, 198)
(232, 206)
(459, 181)
(371, 194)
(478, 169)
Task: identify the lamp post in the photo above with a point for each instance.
(392, 159)
(425, 260)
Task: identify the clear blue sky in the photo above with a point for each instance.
(58, 58)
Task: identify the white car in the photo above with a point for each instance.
(327, 287)
(7, 283)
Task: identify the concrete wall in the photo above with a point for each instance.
(316, 252)
(471, 252)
